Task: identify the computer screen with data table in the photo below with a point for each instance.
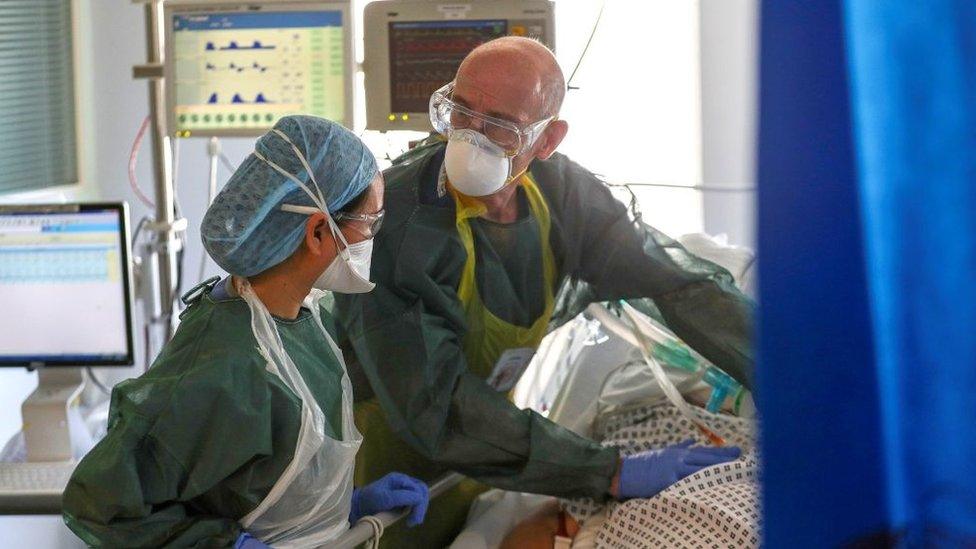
(65, 286)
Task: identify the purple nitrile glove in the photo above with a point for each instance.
(645, 474)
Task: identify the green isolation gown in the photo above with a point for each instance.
(423, 407)
(197, 442)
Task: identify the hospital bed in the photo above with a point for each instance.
(606, 395)
(589, 377)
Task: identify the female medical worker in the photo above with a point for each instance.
(241, 434)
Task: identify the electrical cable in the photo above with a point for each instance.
(133, 156)
(178, 209)
(227, 163)
(135, 246)
(179, 277)
(147, 347)
(703, 188)
(586, 48)
(97, 383)
(178, 212)
(135, 234)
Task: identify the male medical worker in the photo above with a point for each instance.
(485, 224)
(242, 432)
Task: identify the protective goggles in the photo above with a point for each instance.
(446, 115)
(373, 221)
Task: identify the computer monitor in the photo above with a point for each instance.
(234, 69)
(65, 286)
(414, 47)
(66, 295)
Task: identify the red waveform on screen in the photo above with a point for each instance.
(461, 46)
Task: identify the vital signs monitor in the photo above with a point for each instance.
(234, 69)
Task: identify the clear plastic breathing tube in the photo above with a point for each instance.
(649, 338)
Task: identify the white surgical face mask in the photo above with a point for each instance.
(476, 166)
(349, 271)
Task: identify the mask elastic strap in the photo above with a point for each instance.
(337, 234)
(315, 199)
(304, 161)
(333, 227)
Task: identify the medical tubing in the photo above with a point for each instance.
(602, 407)
(133, 155)
(723, 385)
(613, 323)
(662, 379)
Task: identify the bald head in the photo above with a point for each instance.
(518, 80)
(519, 71)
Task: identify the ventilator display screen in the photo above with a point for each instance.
(64, 288)
(244, 71)
(425, 55)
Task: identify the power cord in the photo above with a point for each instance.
(97, 383)
(596, 25)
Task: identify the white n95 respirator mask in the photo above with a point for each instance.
(475, 166)
(349, 271)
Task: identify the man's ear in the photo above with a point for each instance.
(551, 138)
(316, 232)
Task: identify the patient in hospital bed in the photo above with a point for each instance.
(716, 507)
(588, 380)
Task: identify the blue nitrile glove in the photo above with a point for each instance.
(393, 491)
(247, 541)
(644, 475)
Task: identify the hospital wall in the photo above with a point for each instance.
(729, 88)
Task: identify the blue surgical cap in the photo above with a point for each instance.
(245, 231)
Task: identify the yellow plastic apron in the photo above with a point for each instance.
(487, 338)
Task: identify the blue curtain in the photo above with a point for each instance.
(913, 76)
(867, 238)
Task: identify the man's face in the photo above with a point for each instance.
(501, 95)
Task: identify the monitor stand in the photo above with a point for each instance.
(47, 433)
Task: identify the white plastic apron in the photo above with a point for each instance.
(309, 504)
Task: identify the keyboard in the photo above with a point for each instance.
(33, 488)
(35, 476)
